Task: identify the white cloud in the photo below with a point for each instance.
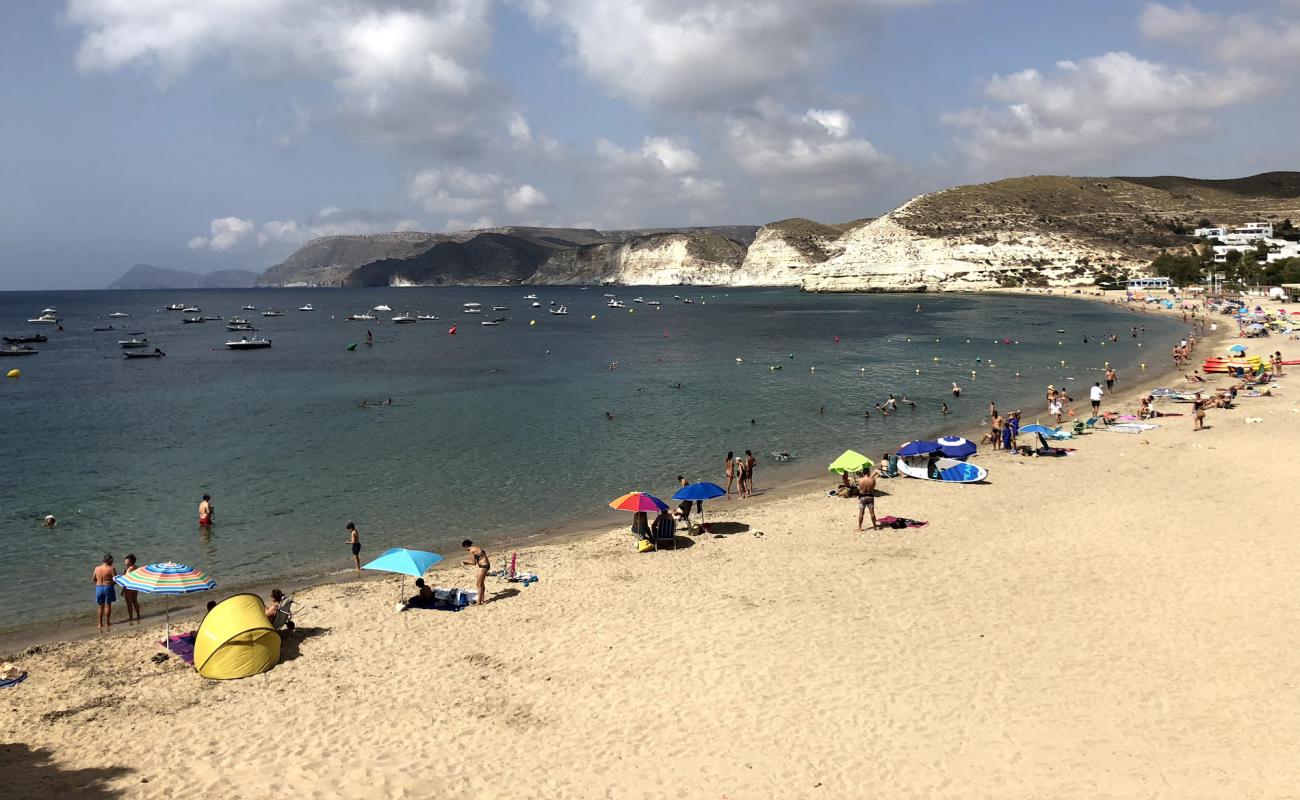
(675, 156)
(1094, 109)
(457, 192)
(225, 233)
(229, 233)
(401, 72)
(525, 199)
(837, 123)
(1249, 38)
(297, 129)
(698, 53)
(523, 137)
(657, 179)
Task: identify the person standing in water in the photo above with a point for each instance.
(206, 512)
(131, 596)
(479, 559)
(105, 595)
(731, 470)
(354, 541)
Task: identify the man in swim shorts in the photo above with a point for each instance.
(105, 595)
(205, 511)
(354, 541)
(867, 498)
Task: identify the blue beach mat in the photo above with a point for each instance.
(13, 681)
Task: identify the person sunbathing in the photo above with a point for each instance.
(1195, 377)
(273, 608)
(422, 598)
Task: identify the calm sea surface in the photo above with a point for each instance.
(491, 432)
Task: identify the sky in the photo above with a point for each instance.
(217, 134)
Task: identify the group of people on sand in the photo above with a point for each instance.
(740, 473)
(104, 578)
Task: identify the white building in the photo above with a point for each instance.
(1210, 233)
(1285, 249)
(1246, 234)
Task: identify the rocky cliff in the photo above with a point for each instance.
(656, 259)
(1041, 230)
(331, 260)
(147, 276)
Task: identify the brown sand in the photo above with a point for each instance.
(1120, 623)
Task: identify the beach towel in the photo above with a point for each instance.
(14, 681)
(1132, 427)
(182, 646)
(901, 522)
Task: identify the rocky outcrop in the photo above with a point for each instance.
(331, 260)
(147, 276)
(657, 259)
(784, 251)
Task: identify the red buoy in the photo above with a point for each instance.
(452, 332)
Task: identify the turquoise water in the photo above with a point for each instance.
(494, 431)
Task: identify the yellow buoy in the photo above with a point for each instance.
(14, 373)
(593, 316)
(918, 372)
(936, 358)
(631, 311)
(532, 322)
(1144, 366)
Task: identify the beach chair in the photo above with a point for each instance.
(664, 530)
(284, 617)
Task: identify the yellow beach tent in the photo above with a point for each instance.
(235, 640)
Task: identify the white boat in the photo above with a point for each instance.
(127, 344)
(237, 321)
(530, 297)
(361, 317)
(249, 344)
(248, 308)
(192, 310)
(45, 319)
(560, 310)
(176, 307)
(401, 319)
(653, 303)
(615, 304)
(272, 312)
(19, 350)
(427, 317)
(118, 315)
(217, 318)
(473, 309)
(193, 320)
(381, 307)
(607, 294)
(307, 307)
(487, 323)
(503, 308)
(536, 304)
(49, 311)
(637, 300)
(240, 326)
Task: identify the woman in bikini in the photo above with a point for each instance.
(131, 596)
(731, 470)
(480, 560)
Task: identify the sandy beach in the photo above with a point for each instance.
(1118, 623)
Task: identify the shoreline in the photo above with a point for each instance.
(188, 609)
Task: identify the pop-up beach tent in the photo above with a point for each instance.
(236, 640)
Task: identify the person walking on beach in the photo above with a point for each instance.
(105, 595)
(354, 541)
(1095, 394)
(206, 512)
(131, 596)
(750, 463)
(479, 559)
(867, 498)
(1110, 378)
(1198, 418)
(731, 470)
(995, 430)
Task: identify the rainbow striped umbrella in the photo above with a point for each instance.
(638, 501)
(166, 578)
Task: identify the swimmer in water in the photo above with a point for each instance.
(944, 408)
(609, 415)
(956, 390)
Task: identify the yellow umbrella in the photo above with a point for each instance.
(851, 461)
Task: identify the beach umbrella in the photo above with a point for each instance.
(957, 447)
(851, 461)
(1036, 428)
(919, 448)
(166, 578)
(402, 561)
(1237, 348)
(638, 501)
(699, 492)
(1254, 326)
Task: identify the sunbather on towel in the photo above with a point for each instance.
(423, 598)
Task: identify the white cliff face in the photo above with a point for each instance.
(658, 260)
(887, 256)
(778, 258)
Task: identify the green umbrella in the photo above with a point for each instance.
(851, 462)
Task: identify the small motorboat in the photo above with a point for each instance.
(238, 321)
(240, 326)
(176, 307)
(402, 319)
(536, 304)
(473, 308)
(45, 319)
(637, 300)
(135, 333)
(193, 320)
(118, 315)
(487, 323)
(248, 308)
(361, 317)
(272, 312)
(561, 310)
(307, 307)
(131, 344)
(49, 311)
(155, 354)
(503, 308)
(245, 343)
(19, 350)
(687, 301)
(530, 297)
(615, 304)
(212, 319)
(607, 294)
(653, 303)
(35, 338)
(433, 317)
(192, 310)
(103, 328)
(382, 308)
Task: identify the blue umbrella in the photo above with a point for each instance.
(405, 562)
(1237, 348)
(918, 448)
(700, 491)
(957, 447)
(1036, 428)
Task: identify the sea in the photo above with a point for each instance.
(494, 433)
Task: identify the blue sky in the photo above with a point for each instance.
(208, 134)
